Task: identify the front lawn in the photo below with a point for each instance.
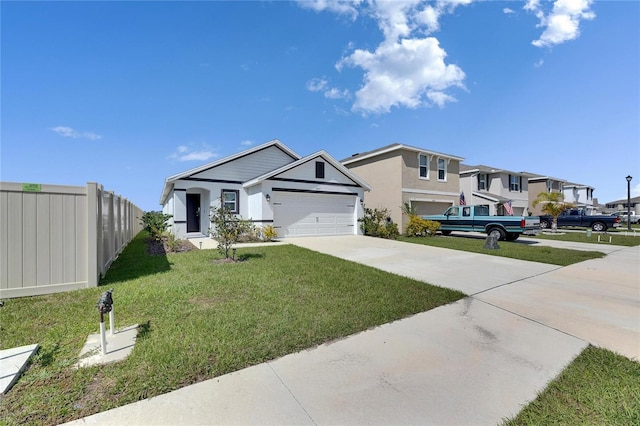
(197, 319)
(617, 238)
(514, 250)
(598, 388)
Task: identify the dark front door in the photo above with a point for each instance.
(193, 212)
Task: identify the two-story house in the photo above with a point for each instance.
(428, 181)
(581, 196)
(498, 188)
(540, 183)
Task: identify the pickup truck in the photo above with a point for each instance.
(576, 217)
(476, 218)
(623, 216)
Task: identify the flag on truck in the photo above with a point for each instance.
(508, 208)
(462, 200)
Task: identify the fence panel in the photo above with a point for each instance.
(57, 238)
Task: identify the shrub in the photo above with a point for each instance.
(227, 229)
(155, 223)
(432, 227)
(269, 233)
(377, 223)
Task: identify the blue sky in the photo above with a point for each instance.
(128, 93)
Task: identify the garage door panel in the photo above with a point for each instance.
(313, 214)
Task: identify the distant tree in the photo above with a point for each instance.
(552, 204)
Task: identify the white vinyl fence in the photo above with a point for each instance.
(57, 238)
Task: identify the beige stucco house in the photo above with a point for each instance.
(538, 184)
(429, 181)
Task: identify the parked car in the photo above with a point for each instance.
(477, 218)
(577, 218)
(623, 216)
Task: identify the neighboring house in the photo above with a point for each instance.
(581, 196)
(495, 187)
(538, 184)
(270, 185)
(621, 205)
(399, 174)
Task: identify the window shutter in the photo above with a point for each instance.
(520, 183)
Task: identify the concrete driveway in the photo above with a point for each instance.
(596, 300)
(472, 362)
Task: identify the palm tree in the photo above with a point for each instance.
(552, 204)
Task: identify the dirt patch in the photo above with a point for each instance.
(160, 248)
(229, 260)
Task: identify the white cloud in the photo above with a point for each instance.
(187, 153)
(409, 73)
(341, 7)
(246, 143)
(408, 68)
(317, 84)
(334, 93)
(68, 132)
(539, 63)
(508, 11)
(322, 85)
(562, 23)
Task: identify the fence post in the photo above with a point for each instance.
(92, 234)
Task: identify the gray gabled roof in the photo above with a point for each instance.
(466, 169)
(328, 158)
(169, 182)
(395, 147)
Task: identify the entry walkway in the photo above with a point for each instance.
(475, 361)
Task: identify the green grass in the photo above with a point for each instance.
(597, 388)
(581, 237)
(514, 250)
(197, 320)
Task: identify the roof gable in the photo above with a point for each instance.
(339, 174)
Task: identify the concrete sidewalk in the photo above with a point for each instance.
(475, 361)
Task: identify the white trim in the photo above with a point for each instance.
(430, 192)
(431, 200)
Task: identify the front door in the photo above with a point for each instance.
(193, 212)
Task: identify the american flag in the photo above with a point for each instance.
(508, 208)
(462, 201)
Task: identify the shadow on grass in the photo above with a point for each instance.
(135, 261)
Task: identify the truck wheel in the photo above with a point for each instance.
(545, 224)
(598, 226)
(512, 236)
(446, 232)
(497, 232)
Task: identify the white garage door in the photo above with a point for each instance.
(303, 214)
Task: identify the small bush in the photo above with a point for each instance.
(377, 223)
(269, 233)
(155, 223)
(432, 227)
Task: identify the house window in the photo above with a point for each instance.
(549, 186)
(230, 200)
(442, 169)
(482, 182)
(319, 170)
(515, 183)
(424, 166)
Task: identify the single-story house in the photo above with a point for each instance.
(270, 185)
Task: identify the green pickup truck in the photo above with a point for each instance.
(477, 219)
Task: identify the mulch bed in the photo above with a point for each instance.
(160, 248)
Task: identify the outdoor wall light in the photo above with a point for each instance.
(268, 197)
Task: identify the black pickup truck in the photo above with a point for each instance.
(576, 217)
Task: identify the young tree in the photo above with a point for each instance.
(227, 228)
(155, 223)
(552, 204)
